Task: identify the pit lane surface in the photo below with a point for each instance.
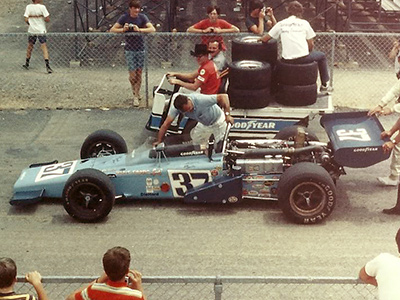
(172, 238)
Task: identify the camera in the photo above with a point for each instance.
(131, 26)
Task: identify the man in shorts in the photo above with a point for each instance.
(36, 16)
(134, 22)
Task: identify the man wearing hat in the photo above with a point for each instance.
(206, 77)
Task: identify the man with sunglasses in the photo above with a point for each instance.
(206, 77)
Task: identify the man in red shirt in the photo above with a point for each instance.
(213, 25)
(112, 285)
(206, 77)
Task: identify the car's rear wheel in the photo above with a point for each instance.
(103, 142)
(88, 195)
(306, 193)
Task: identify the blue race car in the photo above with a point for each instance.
(299, 171)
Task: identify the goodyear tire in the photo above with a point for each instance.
(249, 99)
(289, 134)
(103, 142)
(306, 193)
(88, 195)
(249, 48)
(249, 74)
(297, 95)
(296, 74)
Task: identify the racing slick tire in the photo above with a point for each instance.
(289, 133)
(296, 74)
(249, 74)
(249, 99)
(103, 142)
(306, 193)
(88, 195)
(250, 48)
(297, 95)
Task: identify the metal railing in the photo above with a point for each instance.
(90, 70)
(223, 287)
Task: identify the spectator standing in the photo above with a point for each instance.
(217, 55)
(36, 16)
(212, 112)
(112, 284)
(206, 77)
(134, 22)
(8, 279)
(395, 55)
(256, 21)
(297, 39)
(384, 272)
(381, 109)
(213, 25)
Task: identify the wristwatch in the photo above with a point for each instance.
(227, 113)
(394, 142)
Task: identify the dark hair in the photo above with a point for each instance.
(212, 7)
(180, 101)
(295, 9)
(134, 3)
(116, 263)
(8, 272)
(256, 4)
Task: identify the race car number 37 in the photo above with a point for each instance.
(184, 180)
(56, 170)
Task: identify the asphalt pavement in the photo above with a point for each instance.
(173, 238)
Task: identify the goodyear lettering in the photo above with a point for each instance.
(367, 149)
(254, 125)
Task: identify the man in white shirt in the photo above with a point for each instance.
(36, 16)
(384, 272)
(297, 39)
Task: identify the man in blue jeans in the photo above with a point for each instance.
(297, 39)
(134, 22)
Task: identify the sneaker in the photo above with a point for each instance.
(323, 88)
(136, 102)
(49, 70)
(392, 211)
(387, 181)
(25, 66)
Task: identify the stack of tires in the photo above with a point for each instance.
(296, 84)
(250, 72)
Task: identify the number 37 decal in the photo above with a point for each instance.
(56, 170)
(182, 181)
(358, 134)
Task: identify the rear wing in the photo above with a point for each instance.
(355, 138)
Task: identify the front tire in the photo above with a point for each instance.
(306, 193)
(103, 142)
(88, 195)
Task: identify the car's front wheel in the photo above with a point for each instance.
(306, 193)
(103, 142)
(88, 195)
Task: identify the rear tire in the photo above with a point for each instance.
(89, 195)
(103, 142)
(306, 193)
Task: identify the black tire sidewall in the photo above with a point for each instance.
(297, 95)
(103, 136)
(306, 172)
(249, 78)
(296, 74)
(93, 177)
(249, 99)
(266, 52)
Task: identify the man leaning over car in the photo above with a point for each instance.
(212, 112)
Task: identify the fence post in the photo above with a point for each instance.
(332, 57)
(218, 288)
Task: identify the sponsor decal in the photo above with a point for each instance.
(149, 194)
(367, 149)
(247, 125)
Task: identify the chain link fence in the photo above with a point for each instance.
(90, 69)
(224, 287)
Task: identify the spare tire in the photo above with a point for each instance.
(296, 74)
(249, 99)
(250, 48)
(296, 95)
(249, 74)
